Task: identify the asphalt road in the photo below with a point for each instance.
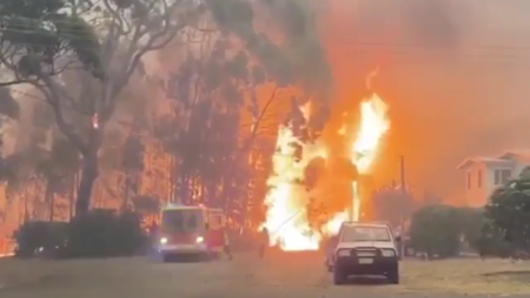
(289, 276)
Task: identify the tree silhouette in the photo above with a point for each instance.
(509, 211)
(128, 30)
(132, 165)
(80, 65)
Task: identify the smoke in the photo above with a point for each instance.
(452, 72)
(433, 23)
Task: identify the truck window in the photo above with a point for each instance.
(360, 233)
(181, 220)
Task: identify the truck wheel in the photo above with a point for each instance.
(393, 276)
(338, 277)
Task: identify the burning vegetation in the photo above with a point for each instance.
(293, 188)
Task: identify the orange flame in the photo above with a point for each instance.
(374, 124)
(286, 201)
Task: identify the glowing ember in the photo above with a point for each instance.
(286, 201)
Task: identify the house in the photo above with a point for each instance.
(485, 174)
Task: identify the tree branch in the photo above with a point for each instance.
(52, 96)
(133, 57)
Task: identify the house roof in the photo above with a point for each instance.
(486, 160)
(516, 154)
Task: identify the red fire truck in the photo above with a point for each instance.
(191, 230)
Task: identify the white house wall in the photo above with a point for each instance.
(491, 186)
(477, 196)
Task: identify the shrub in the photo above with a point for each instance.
(100, 233)
(491, 242)
(34, 236)
(436, 230)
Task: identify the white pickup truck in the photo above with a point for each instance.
(363, 249)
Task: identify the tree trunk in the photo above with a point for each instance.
(52, 207)
(185, 189)
(172, 179)
(49, 198)
(126, 194)
(26, 204)
(71, 202)
(89, 174)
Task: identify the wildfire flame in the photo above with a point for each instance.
(374, 124)
(286, 201)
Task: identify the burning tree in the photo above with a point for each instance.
(78, 56)
(233, 70)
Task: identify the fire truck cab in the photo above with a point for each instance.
(191, 230)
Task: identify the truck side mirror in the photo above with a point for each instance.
(398, 238)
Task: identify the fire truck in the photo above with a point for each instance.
(191, 230)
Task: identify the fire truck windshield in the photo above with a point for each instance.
(181, 220)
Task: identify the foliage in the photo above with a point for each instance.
(133, 154)
(36, 32)
(221, 80)
(41, 37)
(509, 211)
(100, 233)
(436, 230)
(103, 233)
(97, 57)
(471, 221)
(490, 242)
(58, 166)
(34, 235)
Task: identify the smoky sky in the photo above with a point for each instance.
(453, 72)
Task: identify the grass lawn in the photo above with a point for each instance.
(451, 278)
(467, 276)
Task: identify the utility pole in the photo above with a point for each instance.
(404, 194)
(402, 174)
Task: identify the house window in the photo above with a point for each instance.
(469, 180)
(479, 179)
(503, 176)
(497, 179)
(506, 176)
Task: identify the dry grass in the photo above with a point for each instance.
(454, 278)
(467, 276)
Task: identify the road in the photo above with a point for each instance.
(289, 276)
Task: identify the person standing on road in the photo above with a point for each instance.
(226, 246)
(264, 242)
(153, 237)
(329, 248)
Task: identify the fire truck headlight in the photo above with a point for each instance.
(200, 239)
(163, 240)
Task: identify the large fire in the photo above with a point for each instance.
(286, 201)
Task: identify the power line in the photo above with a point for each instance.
(27, 29)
